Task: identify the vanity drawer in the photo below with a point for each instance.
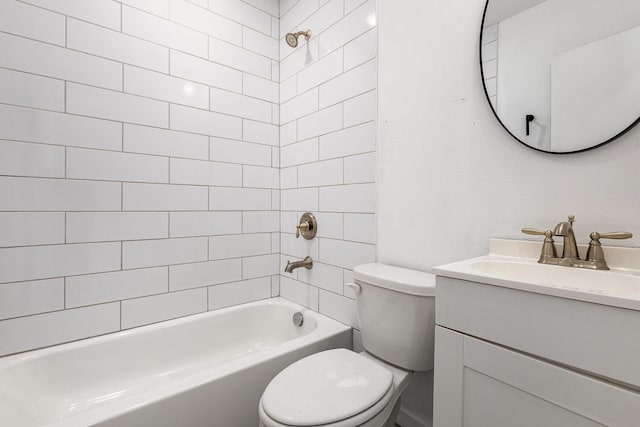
(599, 339)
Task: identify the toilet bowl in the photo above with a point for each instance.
(360, 390)
(342, 388)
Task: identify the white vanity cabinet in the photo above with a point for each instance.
(511, 358)
(482, 384)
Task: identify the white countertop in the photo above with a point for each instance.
(513, 264)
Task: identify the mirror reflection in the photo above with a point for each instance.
(562, 75)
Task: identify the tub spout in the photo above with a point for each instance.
(306, 263)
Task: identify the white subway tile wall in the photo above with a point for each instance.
(155, 157)
(328, 149)
(490, 62)
(139, 163)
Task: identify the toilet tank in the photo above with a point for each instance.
(396, 310)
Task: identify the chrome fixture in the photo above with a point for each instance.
(548, 247)
(298, 319)
(308, 226)
(570, 247)
(292, 38)
(594, 258)
(306, 263)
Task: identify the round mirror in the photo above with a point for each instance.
(562, 76)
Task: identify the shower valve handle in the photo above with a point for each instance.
(304, 226)
(307, 227)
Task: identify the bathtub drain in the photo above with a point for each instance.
(298, 318)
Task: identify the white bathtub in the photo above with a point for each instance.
(204, 370)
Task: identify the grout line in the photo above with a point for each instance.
(169, 20)
(169, 114)
(120, 61)
(122, 123)
(335, 103)
(96, 273)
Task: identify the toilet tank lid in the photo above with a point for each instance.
(396, 279)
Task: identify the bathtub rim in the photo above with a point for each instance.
(321, 319)
(325, 329)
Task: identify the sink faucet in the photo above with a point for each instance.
(306, 263)
(565, 229)
(594, 258)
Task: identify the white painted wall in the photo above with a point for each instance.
(138, 163)
(594, 92)
(527, 45)
(449, 176)
(503, 9)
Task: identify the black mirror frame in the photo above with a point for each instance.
(495, 113)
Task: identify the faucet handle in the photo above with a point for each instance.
(595, 253)
(548, 247)
(571, 219)
(304, 226)
(536, 232)
(615, 235)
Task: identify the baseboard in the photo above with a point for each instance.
(409, 419)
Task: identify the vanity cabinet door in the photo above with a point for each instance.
(478, 384)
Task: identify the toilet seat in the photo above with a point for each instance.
(332, 388)
(375, 416)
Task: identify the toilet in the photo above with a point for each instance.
(342, 388)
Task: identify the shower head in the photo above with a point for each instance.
(292, 38)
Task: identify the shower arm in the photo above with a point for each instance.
(306, 34)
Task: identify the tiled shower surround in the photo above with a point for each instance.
(145, 173)
(327, 149)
